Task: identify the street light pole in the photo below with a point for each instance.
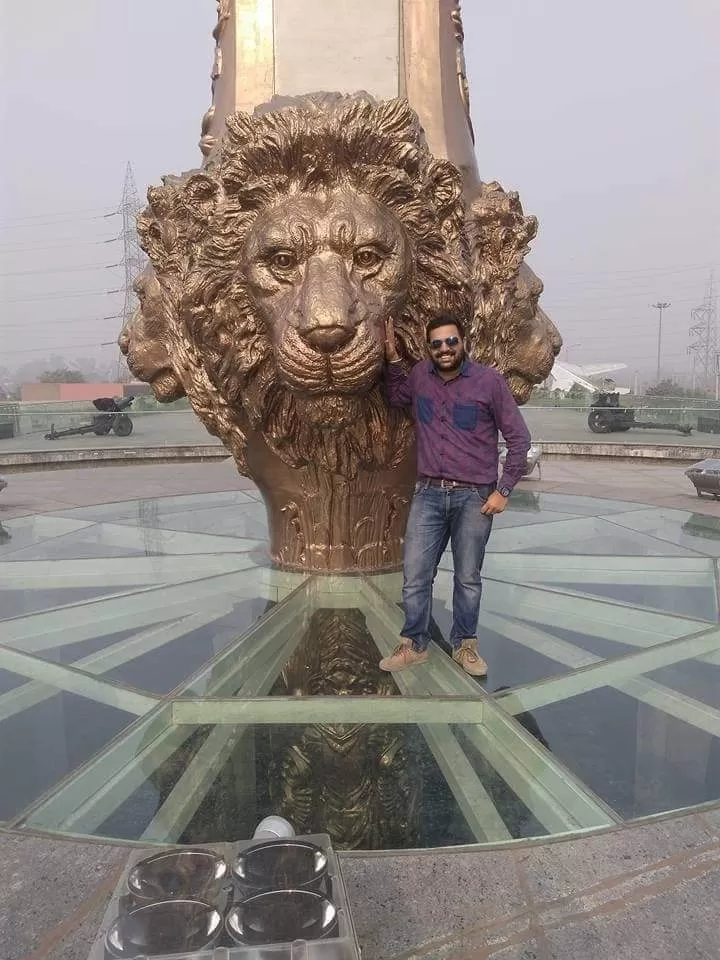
(659, 306)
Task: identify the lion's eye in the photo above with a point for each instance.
(283, 260)
(367, 257)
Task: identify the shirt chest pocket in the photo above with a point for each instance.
(424, 409)
(465, 416)
(468, 416)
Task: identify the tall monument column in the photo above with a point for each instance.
(387, 48)
(339, 188)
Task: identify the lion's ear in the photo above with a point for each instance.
(445, 182)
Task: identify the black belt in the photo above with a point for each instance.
(445, 484)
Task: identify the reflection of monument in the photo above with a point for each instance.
(357, 781)
(313, 218)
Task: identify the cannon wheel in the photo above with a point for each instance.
(102, 430)
(123, 426)
(598, 423)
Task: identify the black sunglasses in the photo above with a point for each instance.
(448, 341)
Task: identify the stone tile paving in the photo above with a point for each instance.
(53, 893)
(646, 891)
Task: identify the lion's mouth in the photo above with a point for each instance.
(353, 368)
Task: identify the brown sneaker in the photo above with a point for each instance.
(469, 659)
(402, 657)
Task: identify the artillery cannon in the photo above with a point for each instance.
(111, 418)
(607, 416)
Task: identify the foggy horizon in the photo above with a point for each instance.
(604, 119)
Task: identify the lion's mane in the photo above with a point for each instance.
(508, 331)
(204, 325)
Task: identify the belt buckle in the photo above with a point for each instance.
(447, 484)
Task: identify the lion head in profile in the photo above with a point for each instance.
(509, 330)
(274, 268)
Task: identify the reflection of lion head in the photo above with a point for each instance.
(509, 330)
(275, 267)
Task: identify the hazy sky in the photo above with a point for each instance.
(604, 116)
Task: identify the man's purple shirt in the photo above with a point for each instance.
(457, 422)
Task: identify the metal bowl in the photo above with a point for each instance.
(177, 875)
(282, 916)
(168, 926)
(280, 865)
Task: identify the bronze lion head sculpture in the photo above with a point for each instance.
(274, 268)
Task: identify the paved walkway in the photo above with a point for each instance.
(640, 892)
(42, 492)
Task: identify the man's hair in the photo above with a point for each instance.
(445, 320)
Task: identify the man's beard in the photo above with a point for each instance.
(449, 368)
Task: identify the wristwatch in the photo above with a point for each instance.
(504, 491)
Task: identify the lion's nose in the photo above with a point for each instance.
(327, 339)
(556, 340)
(326, 305)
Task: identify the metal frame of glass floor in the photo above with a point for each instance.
(130, 630)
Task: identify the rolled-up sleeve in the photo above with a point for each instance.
(397, 385)
(514, 430)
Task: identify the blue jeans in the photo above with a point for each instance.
(436, 517)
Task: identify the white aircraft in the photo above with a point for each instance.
(564, 375)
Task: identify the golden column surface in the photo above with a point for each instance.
(387, 48)
(243, 73)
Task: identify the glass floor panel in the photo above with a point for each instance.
(160, 682)
(391, 793)
(633, 754)
(55, 732)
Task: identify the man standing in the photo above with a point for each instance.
(459, 406)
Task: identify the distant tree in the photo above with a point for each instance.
(576, 392)
(671, 388)
(93, 371)
(62, 375)
(540, 393)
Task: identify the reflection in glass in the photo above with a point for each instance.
(637, 758)
(353, 781)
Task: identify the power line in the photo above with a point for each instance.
(639, 270)
(55, 223)
(64, 346)
(623, 283)
(61, 244)
(61, 213)
(61, 322)
(567, 304)
(63, 296)
(77, 269)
